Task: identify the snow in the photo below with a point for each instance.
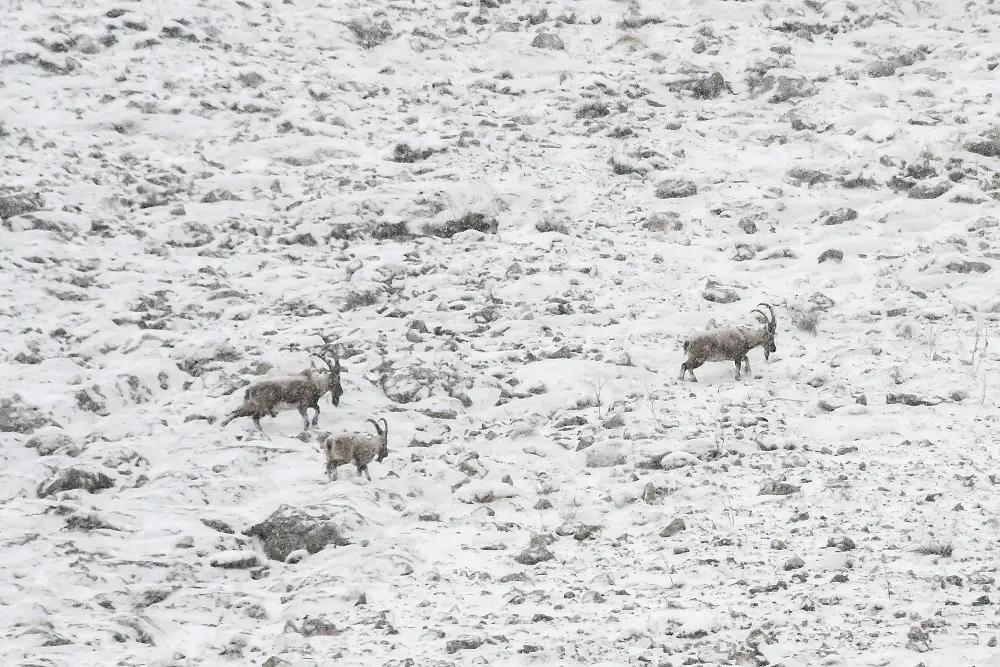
(222, 183)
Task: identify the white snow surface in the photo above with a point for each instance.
(220, 188)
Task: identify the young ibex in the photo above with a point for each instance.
(300, 391)
(730, 344)
(356, 448)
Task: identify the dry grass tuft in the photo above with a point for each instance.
(806, 320)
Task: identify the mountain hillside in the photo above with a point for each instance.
(505, 220)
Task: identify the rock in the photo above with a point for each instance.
(478, 222)
(675, 188)
(65, 226)
(831, 255)
(416, 382)
(710, 87)
(484, 491)
(547, 40)
(743, 252)
(880, 68)
(235, 560)
(674, 527)
(17, 416)
(748, 225)
(807, 176)
(821, 302)
(124, 460)
(592, 110)
(841, 542)
(472, 466)
(793, 563)
(317, 627)
(440, 413)
(543, 504)
(778, 489)
(463, 643)
(579, 530)
(606, 454)
(152, 596)
(88, 522)
(561, 352)
(190, 234)
(174, 30)
(570, 422)
(930, 189)
(405, 154)
(652, 494)
(720, 295)
(919, 640)
(15, 205)
(986, 222)
(837, 217)
(800, 123)
(987, 145)
(826, 406)
(534, 556)
(296, 556)
(311, 528)
(616, 420)
(49, 440)
(217, 195)
(218, 525)
(545, 539)
(368, 33)
(908, 58)
(92, 400)
(966, 266)
(75, 478)
(663, 222)
(202, 358)
(912, 400)
(782, 88)
(429, 435)
(299, 238)
(275, 661)
(252, 79)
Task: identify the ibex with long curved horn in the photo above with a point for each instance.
(301, 392)
(357, 448)
(730, 344)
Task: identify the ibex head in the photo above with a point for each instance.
(770, 328)
(332, 378)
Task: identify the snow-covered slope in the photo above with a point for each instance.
(508, 216)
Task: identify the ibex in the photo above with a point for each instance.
(301, 391)
(356, 448)
(730, 344)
